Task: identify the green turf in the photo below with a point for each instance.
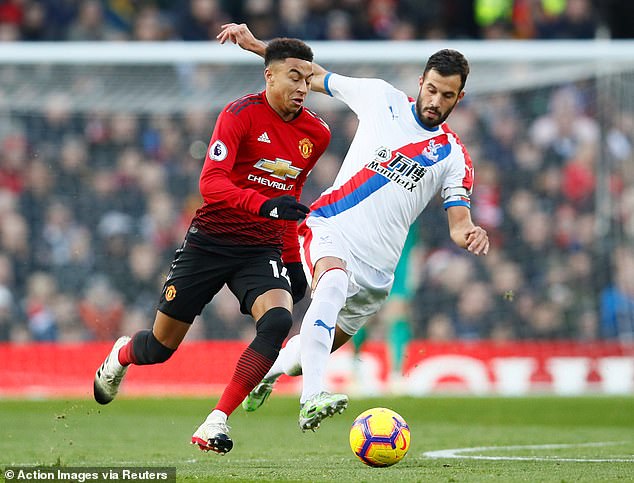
(270, 447)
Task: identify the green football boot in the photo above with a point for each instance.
(258, 395)
(319, 407)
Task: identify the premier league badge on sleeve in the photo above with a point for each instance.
(218, 151)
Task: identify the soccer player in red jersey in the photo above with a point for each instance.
(244, 235)
(403, 154)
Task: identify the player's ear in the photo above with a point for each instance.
(461, 95)
(268, 74)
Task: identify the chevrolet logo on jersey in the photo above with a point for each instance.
(280, 168)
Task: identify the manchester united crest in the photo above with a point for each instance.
(305, 148)
(170, 293)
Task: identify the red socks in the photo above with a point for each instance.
(250, 370)
(126, 356)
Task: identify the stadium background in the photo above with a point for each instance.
(100, 161)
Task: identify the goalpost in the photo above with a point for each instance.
(518, 94)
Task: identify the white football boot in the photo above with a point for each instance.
(109, 375)
(213, 435)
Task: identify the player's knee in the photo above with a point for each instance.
(148, 350)
(272, 329)
(333, 286)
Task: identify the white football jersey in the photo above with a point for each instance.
(391, 171)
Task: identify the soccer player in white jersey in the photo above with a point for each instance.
(402, 155)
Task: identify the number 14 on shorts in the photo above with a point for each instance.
(276, 271)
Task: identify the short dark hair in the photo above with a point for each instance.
(449, 62)
(283, 48)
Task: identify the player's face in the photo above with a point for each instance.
(437, 97)
(287, 85)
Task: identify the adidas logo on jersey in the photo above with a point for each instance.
(273, 213)
(264, 138)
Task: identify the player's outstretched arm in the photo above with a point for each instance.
(240, 35)
(464, 233)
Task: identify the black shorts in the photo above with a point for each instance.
(199, 272)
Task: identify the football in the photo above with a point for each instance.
(379, 437)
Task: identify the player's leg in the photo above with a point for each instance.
(192, 281)
(145, 347)
(287, 362)
(330, 288)
(272, 311)
(263, 291)
(323, 245)
(328, 298)
(318, 325)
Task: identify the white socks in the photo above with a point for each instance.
(310, 349)
(287, 361)
(318, 329)
(217, 414)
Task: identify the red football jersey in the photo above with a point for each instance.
(254, 155)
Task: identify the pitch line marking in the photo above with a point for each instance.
(459, 453)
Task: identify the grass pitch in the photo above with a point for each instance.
(539, 439)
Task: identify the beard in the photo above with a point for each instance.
(431, 122)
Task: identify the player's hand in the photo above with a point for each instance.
(478, 241)
(299, 284)
(284, 208)
(240, 35)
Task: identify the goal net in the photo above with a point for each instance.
(102, 145)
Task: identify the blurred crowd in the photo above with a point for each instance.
(94, 203)
(158, 20)
(561, 266)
